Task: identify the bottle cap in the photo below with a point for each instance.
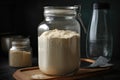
(101, 5)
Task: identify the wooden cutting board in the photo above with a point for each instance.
(34, 73)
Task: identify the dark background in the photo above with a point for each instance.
(24, 16)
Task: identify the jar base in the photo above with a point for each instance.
(65, 74)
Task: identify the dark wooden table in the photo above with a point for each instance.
(6, 72)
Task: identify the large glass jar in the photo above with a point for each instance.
(59, 41)
(20, 54)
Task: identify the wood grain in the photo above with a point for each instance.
(34, 73)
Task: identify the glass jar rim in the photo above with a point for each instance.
(60, 7)
(60, 10)
(21, 41)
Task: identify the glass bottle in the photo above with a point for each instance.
(59, 55)
(20, 54)
(99, 36)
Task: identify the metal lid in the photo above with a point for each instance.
(21, 41)
(60, 10)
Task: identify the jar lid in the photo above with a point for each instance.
(60, 10)
(21, 41)
(101, 5)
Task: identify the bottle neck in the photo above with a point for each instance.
(99, 23)
(100, 15)
(100, 11)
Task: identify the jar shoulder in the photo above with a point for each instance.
(59, 24)
(21, 48)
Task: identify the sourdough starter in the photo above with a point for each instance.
(59, 52)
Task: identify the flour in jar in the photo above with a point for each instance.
(20, 58)
(59, 52)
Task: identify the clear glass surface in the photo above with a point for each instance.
(60, 18)
(99, 36)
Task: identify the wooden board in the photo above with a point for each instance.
(34, 73)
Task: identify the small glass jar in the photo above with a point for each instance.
(20, 54)
(58, 53)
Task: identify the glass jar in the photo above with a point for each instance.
(59, 41)
(20, 54)
(99, 37)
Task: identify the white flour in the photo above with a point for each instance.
(59, 52)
